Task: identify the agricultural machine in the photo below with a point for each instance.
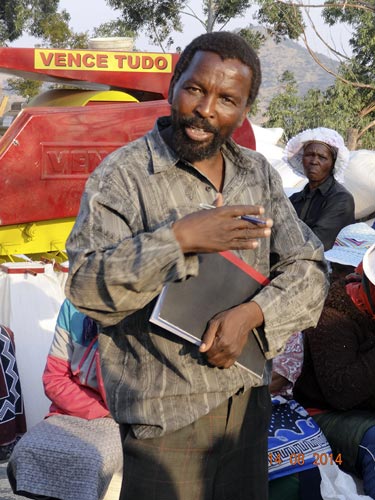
(56, 141)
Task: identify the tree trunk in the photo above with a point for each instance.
(352, 138)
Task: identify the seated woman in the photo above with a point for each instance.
(324, 204)
(336, 384)
(75, 451)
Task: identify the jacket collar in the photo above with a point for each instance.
(323, 188)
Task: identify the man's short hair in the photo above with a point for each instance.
(228, 46)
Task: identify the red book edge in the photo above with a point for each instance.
(245, 267)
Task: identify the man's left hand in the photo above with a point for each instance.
(227, 333)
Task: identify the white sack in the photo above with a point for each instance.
(359, 179)
(337, 485)
(29, 307)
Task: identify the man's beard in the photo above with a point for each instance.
(189, 149)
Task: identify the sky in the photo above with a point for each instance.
(85, 19)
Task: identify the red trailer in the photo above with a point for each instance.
(54, 143)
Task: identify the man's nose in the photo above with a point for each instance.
(206, 106)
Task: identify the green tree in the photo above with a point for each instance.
(53, 30)
(282, 110)
(339, 107)
(355, 88)
(24, 16)
(114, 28)
(160, 18)
(25, 88)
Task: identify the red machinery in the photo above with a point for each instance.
(53, 145)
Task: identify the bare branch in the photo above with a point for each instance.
(194, 16)
(330, 71)
(365, 129)
(367, 110)
(356, 5)
(329, 47)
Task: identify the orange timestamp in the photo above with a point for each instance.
(299, 458)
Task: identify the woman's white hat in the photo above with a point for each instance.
(293, 151)
(369, 263)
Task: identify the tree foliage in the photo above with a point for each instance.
(159, 19)
(114, 28)
(25, 88)
(339, 107)
(45, 23)
(352, 98)
(24, 16)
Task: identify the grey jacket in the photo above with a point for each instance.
(122, 250)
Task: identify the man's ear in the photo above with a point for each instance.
(171, 90)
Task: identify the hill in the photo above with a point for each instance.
(288, 55)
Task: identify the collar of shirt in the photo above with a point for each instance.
(323, 189)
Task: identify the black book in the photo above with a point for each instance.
(224, 281)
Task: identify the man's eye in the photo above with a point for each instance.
(193, 90)
(227, 100)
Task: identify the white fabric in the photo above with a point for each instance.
(29, 306)
(351, 244)
(337, 485)
(266, 144)
(359, 179)
(369, 264)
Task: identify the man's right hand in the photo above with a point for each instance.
(220, 229)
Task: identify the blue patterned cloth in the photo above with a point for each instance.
(295, 441)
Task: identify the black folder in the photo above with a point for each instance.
(224, 281)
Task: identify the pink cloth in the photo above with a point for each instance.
(289, 363)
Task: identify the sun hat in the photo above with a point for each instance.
(369, 264)
(293, 151)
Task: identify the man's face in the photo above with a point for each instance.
(209, 102)
(317, 162)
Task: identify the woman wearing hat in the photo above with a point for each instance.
(337, 382)
(324, 204)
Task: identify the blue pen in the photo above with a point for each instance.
(248, 218)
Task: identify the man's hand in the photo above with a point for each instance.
(220, 229)
(227, 333)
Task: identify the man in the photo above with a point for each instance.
(194, 424)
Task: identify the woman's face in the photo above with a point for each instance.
(317, 162)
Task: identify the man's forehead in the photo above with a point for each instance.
(213, 59)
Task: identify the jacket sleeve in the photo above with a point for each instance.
(69, 397)
(117, 266)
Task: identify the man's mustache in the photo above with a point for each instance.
(200, 123)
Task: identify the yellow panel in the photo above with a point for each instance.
(65, 97)
(3, 104)
(35, 238)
